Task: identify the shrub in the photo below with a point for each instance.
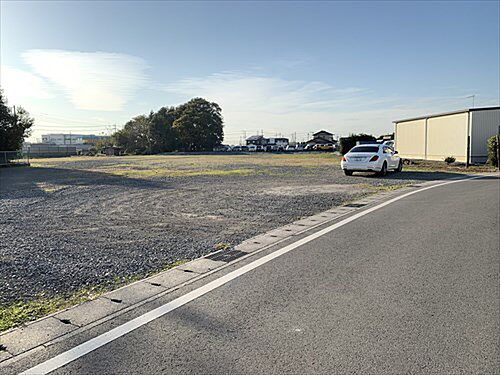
(492, 150)
(449, 160)
(346, 143)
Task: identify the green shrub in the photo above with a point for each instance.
(346, 143)
(492, 150)
(449, 160)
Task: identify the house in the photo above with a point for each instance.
(279, 142)
(322, 137)
(257, 140)
(113, 151)
(260, 140)
(462, 134)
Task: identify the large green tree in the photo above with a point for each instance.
(13, 127)
(135, 136)
(199, 125)
(164, 136)
(194, 126)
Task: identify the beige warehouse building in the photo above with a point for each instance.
(461, 134)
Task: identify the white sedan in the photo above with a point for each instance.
(377, 158)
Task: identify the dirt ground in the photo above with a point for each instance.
(71, 223)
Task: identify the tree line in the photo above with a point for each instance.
(15, 125)
(193, 126)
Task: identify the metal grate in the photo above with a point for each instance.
(355, 205)
(227, 256)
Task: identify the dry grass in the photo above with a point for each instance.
(147, 166)
(21, 312)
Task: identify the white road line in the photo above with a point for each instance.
(107, 337)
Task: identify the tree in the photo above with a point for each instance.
(135, 136)
(164, 136)
(199, 125)
(194, 126)
(346, 143)
(100, 144)
(13, 127)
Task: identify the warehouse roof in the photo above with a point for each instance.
(446, 113)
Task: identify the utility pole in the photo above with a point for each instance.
(473, 96)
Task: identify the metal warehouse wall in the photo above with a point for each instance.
(410, 139)
(484, 124)
(447, 136)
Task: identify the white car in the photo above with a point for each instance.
(371, 158)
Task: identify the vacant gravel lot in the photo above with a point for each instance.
(69, 223)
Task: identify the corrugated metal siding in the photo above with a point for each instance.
(447, 136)
(410, 139)
(484, 124)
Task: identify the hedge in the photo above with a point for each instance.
(492, 150)
(346, 143)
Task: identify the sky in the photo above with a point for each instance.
(286, 68)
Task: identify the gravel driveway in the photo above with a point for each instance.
(68, 227)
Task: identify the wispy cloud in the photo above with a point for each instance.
(19, 84)
(252, 101)
(91, 80)
(245, 91)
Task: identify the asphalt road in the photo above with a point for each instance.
(410, 288)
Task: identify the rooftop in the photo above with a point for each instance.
(447, 113)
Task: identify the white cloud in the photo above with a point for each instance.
(237, 91)
(251, 102)
(91, 80)
(19, 84)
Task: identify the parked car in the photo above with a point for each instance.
(389, 143)
(371, 158)
(324, 147)
(236, 148)
(244, 148)
(252, 148)
(309, 147)
(222, 148)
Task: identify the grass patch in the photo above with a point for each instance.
(222, 246)
(159, 172)
(437, 166)
(17, 313)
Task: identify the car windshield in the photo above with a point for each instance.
(365, 149)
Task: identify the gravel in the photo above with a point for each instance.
(63, 229)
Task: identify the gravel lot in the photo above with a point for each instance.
(69, 223)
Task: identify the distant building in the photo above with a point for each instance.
(280, 142)
(257, 140)
(322, 137)
(69, 139)
(113, 151)
(274, 144)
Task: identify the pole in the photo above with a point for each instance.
(498, 152)
(468, 152)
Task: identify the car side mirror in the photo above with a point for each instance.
(395, 152)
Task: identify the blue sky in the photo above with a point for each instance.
(281, 67)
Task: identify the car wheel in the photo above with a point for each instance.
(383, 171)
(400, 166)
(347, 173)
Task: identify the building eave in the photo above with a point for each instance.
(445, 114)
